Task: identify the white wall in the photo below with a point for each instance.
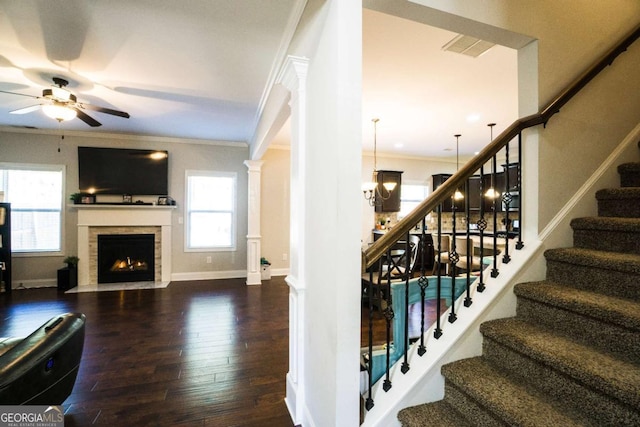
(32, 147)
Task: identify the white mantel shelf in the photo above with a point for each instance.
(118, 206)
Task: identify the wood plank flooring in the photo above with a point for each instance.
(206, 353)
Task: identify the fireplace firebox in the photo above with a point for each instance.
(126, 258)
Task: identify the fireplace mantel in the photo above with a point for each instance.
(102, 215)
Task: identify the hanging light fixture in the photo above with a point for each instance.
(59, 111)
(458, 194)
(371, 190)
(491, 193)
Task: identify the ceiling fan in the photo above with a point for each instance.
(60, 104)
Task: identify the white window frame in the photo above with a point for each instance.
(234, 212)
(403, 194)
(41, 167)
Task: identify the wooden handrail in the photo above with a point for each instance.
(442, 193)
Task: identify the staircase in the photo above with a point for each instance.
(571, 356)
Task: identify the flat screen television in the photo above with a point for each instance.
(123, 171)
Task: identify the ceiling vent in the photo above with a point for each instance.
(468, 45)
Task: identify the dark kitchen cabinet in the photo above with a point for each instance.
(391, 200)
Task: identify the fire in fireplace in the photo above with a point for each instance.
(126, 258)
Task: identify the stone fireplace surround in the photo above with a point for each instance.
(122, 219)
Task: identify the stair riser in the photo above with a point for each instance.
(629, 180)
(627, 285)
(622, 208)
(602, 408)
(581, 328)
(605, 240)
(469, 408)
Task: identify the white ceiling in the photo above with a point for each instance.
(199, 69)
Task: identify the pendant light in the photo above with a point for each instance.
(491, 192)
(371, 190)
(458, 194)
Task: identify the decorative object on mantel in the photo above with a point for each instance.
(491, 192)
(371, 190)
(75, 197)
(127, 198)
(458, 194)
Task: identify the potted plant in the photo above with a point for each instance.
(265, 273)
(71, 261)
(75, 198)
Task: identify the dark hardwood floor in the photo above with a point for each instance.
(206, 353)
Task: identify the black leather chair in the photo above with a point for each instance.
(41, 369)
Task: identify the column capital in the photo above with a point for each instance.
(254, 165)
(293, 73)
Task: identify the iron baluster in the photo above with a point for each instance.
(506, 199)
(369, 401)
(494, 271)
(467, 299)
(520, 244)
(482, 225)
(437, 333)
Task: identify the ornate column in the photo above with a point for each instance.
(253, 227)
(293, 77)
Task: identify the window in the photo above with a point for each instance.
(411, 196)
(211, 211)
(36, 194)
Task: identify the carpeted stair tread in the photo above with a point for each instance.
(623, 193)
(615, 261)
(506, 399)
(627, 225)
(618, 311)
(436, 414)
(597, 370)
(607, 234)
(629, 174)
(619, 202)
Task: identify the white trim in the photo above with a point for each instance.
(234, 226)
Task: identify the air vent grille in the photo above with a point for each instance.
(468, 45)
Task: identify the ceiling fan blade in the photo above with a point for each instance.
(104, 110)
(21, 94)
(87, 119)
(25, 110)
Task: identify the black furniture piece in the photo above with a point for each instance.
(5, 246)
(41, 369)
(67, 278)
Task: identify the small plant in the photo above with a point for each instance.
(71, 260)
(75, 197)
(264, 261)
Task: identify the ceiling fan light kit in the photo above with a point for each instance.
(59, 111)
(62, 105)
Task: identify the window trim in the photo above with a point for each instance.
(44, 167)
(234, 214)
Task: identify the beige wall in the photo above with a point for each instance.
(571, 35)
(30, 147)
(275, 195)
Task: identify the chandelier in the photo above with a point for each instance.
(373, 192)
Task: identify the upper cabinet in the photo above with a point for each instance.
(391, 200)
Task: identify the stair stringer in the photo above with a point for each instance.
(461, 339)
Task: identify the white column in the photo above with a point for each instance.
(253, 228)
(293, 77)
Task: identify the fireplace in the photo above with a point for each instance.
(126, 258)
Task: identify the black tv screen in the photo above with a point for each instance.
(123, 171)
